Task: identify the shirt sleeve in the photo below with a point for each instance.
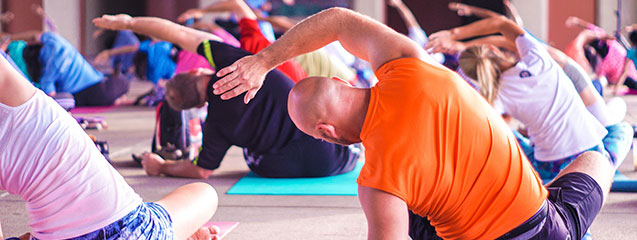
(252, 39)
(214, 147)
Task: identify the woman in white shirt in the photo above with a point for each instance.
(70, 190)
(536, 91)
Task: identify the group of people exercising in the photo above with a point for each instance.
(440, 159)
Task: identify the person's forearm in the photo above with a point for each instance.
(166, 30)
(499, 24)
(184, 168)
(482, 12)
(407, 15)
(240, 9)
(123, 50)
(498, 41)
(28, 36)
(321, 29)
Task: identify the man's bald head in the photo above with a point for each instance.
(319, 107)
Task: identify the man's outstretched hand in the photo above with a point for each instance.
(245, 75)
(113, 22)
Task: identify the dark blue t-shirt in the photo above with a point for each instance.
(263, 126)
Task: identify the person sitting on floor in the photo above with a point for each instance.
(58, 67)
(273, 146)
(50, 162)
(433, 145)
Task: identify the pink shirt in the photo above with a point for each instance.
(187, 61)
(612, 65)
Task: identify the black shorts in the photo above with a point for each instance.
(103, 93)
(574, 201)
(303, 157)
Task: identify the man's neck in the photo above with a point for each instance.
(356, 103)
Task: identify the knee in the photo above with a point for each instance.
(595, 160)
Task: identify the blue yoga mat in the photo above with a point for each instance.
(621, 183)
(344, 184)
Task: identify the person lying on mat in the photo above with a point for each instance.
(433, 144)
(49, 161)
(58, 67)
(273, 146)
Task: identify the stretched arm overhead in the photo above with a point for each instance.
(104, 55)
(15, 89)
(512, 11)
(360, 35)
(500, 24)
(238, 7)
(405, 13)
(468, 10)
(187, 38)
(28, 36)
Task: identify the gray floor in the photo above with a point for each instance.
(278, 217)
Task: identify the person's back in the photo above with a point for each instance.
(60, 178)
(537, 92)
(64, 69)
(426, 142)
(264, 129)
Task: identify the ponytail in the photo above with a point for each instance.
(479, 63)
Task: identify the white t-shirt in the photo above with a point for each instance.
(48, 160)
(537, 92)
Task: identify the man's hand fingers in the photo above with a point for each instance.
(250, 95)
(227, 70)
(241, 88)
(229, 82)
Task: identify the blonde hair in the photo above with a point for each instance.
(481, 64)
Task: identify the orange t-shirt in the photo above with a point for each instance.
(432, 141)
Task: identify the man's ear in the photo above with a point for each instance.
(326, 130)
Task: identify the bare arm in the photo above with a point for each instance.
(238, 7)
(499, 24)
(573, 21)
(405, 13)
(188, 38)
(15, 89)
(622, 77)
(386, 214)
(496, 40)
(104, 55)
(468, 10)
(29, 36)
(513, 12)
(360, 35)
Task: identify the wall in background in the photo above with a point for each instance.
(25, 19)
(559, 11)
(66, 16)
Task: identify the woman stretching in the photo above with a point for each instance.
(536, 91)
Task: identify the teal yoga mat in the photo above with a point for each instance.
(344, 184)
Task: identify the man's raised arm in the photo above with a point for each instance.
(162, 29)
(360, 35)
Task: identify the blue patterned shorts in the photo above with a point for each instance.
(615, 146)
(148, 221)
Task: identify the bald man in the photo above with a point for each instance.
(433, 145)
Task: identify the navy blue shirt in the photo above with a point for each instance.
(273, 145)
(262, 126)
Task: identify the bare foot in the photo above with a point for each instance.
(206, 233)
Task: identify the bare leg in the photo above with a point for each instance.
(190, 206)
(593, 164)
